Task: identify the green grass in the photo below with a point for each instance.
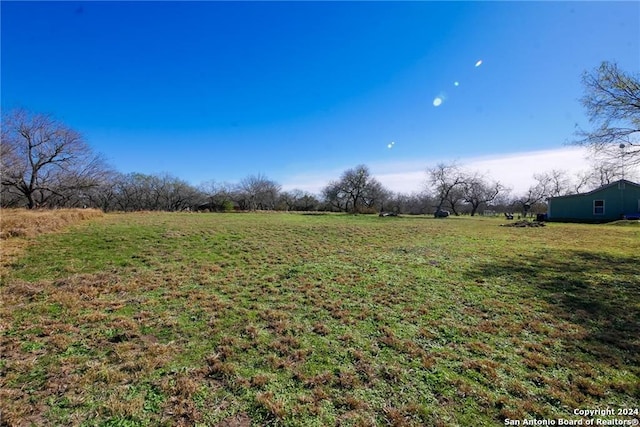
(277, 319)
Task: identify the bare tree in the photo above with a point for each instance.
(603, 173)
(376, 196)
(478, 192)
(258, 192)
(414, 203)
(288, 199)
(136, 191)
(356, 191)
(130, 194)
(104, 195)
(535, 194)
(42, 159)
(297, 200)
(606, 169)
(335, 197)
(218, 197)
(446, 182)
(554, 182)
(308, 202)
(612, 101)
(419, 203)
(560, 183)
(581, 182)
(503, 203)
(454, 199)
(176, 194)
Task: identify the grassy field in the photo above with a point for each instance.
(319, 320)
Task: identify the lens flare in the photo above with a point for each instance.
(456, 83)
(479, 63)
(437, 101)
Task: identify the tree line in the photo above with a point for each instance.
(46, 164)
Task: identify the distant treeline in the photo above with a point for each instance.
(46, 164)
(163, 192)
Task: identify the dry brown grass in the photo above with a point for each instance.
(29, 223)
(18, 225)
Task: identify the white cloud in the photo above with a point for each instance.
(312, 182)
(515, 170)
(403, 182)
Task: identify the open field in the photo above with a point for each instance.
(286, 319)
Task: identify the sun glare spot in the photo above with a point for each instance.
(479, 63)
(456, 83)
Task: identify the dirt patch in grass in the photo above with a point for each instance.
(240, 420)
(524, 223)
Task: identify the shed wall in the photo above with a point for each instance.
(579, 207)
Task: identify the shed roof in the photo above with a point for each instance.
(625, 181)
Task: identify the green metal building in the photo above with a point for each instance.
(618, 200)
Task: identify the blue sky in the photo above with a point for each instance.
(300, 91)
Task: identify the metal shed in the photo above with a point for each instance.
(618, 200)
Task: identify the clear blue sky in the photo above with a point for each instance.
(221, 90)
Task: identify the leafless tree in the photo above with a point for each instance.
(414, 203)
(288, 199)
(297, 200)
(257, 192)
(612, 102)
(607, 169)
(177, 195)
(43, 160)
(376, 196)
(163, 192)
(561, 183)
(335, 197)
(477, 191)
(503, 203)
(218, 197)
(455, 199)
(308, 202)
(581, 182)
(356, 191)
(104, 195)
(554, 182)
(136, 191)
(446, 182)
(603, 173)
(535, 194)
(129, 193)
